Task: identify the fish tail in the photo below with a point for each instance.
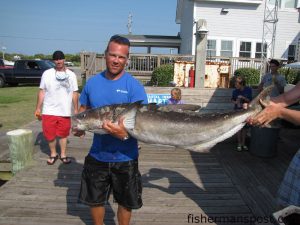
(263, 95)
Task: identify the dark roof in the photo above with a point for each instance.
(153, 41)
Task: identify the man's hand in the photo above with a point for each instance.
(38, 114)
(117, 130)
(271, 112)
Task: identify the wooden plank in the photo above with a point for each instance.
(5, 166)
(213, 184)
(5, 175)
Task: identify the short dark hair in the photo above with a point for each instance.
(241, 80)
(274, 61)
(58, 55)
(118, 39)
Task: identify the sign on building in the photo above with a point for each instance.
(160, 99)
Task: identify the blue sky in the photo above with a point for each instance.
(40, 26)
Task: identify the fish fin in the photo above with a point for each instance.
(201, 147)
(264, 96)
(264, 103)
(130, 108)
(126, 108)
(179, 108)
(152, 106)
(212, 142)
(129, 119)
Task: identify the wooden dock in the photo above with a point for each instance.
(180, 186)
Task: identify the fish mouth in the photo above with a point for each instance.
(75, 124)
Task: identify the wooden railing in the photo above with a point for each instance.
(142, 65)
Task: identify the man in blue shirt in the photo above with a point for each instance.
(112, 163)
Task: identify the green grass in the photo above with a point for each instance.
(17, 106)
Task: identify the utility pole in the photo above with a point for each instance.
(200, 55)
(3, 51)
(129, 24)
(269, 34)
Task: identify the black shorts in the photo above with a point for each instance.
(100, 178)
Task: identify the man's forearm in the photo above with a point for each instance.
(75, 102)
(292, 116)
(40, 99)
(289, 97)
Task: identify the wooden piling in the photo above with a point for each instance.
(20, 143)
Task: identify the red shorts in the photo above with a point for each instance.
(55, 126)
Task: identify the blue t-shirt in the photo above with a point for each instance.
(267, 80)
(100, 91)
(246, 92)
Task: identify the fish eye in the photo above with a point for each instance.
(83, 115)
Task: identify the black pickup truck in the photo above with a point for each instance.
(24, 72)
(3, 66)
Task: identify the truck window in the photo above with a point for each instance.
(20, 65)
(32, 66)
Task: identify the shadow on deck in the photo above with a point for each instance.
(180, 186)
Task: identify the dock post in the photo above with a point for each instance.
(20, 143)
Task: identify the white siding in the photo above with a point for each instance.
(288, 32)
(243, 22)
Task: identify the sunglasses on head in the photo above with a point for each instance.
(119, 39)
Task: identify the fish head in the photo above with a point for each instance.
(91, 119)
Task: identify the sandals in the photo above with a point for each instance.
(239, 148)
(52, 160)
(65, 160)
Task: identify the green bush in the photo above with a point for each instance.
(292, 76)
(251, 76)
(163, 75)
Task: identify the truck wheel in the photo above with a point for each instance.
(2, 83)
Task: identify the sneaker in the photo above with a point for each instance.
(239, 148)
(245, 148)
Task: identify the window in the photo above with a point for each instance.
(284, 4)
(271, 2)
(297, 58)
(32, 65)
(211, 48)
(288, 4)
(245, 49)
(258, 50)
(291, 52)
(226, 48)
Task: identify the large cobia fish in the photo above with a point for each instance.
(180, 128)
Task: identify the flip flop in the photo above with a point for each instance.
(65, 160)
(53, 158)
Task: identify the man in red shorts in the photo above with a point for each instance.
(58, 89)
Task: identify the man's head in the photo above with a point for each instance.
(274, 65)
(59, 59)
(116, 54)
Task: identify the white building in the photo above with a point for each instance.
(236, 27)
